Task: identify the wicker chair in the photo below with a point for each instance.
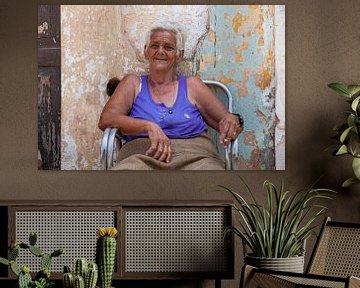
(111, 140)
(335, 262)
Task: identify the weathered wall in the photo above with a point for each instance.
(90, 52)
(237, 50)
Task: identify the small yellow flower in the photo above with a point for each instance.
(106, 231)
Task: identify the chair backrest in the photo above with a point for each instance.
(222, 92)
(111, 141)
(337, 251)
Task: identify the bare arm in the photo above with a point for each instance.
(213, 111)
(115, 114)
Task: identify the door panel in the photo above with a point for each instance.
(49, 86)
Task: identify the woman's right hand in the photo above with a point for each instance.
(160, 147)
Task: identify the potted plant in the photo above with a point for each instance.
(274, 234)
(348, 132)
(42, 278)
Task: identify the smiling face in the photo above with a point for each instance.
(161, 51)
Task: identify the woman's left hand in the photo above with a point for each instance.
(229, 128)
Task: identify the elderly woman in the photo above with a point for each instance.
(164, 115)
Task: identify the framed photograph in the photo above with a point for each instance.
(237, 52)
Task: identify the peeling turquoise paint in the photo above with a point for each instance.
(238, 51)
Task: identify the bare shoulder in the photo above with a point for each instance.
(196, 89)
(128, 85)
(131, 79)
(194, 82)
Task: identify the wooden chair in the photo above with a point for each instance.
(112, 141)
(335, 262)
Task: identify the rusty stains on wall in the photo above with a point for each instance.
(263, 78)
(245, 44)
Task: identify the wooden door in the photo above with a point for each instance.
(49, 86)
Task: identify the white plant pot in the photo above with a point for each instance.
(291, 264)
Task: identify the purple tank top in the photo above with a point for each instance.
(182, 120)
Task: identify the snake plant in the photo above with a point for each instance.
(279, 228)
(348, 133)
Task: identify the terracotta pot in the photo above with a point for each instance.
(291, 264)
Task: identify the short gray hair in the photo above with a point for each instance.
(171, 27)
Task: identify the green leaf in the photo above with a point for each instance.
(13, 253)
(351, 120)
(349, 182)
(4, 261)
(23, 245)
(14, 268)
(342, 150)
(340, 88)
(355, 103)
(354, 146)
(353, 89)
(356, 167)
(36, 251)
(345, 134)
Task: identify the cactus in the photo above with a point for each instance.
(36, 251)
(91, 275)
(32, 238)
(68, 280)
(42, 278)
(13, 253)
(105, 254)
(45, 261)
(66, 269)
(84, 276)
(44, 273)
(79, 282)
(24, 280)
(24, 245)
(81, 267)
(57, 253)
(14, 268)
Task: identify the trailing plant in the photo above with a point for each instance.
(106, 254)
(42, 278)
(279, 229)
(348, 133)
(84, 275)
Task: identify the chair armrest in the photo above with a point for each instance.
(229, 151)
(104, 148)
(109, 147)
